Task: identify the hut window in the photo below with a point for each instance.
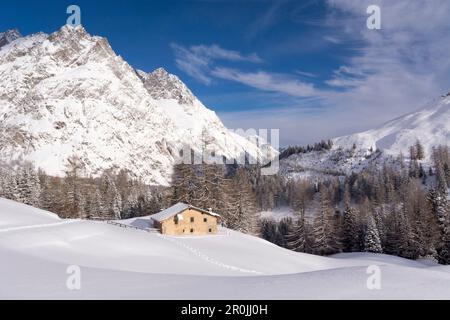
(192, 230)
(205, 220)
(210, 230)
(192, 219)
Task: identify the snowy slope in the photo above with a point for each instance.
(14, 214)
(127, 263)
(8, 37)
(69, 94)
(430, 125)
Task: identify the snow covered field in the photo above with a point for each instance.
(36, 248)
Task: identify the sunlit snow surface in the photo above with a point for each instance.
(353, 153)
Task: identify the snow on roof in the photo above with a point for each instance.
(176, 209)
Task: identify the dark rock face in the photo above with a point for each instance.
(9, 36)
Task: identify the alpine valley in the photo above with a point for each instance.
(90, 178)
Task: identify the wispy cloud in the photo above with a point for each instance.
(305, 74)
(197, 61)
(387, 72)
(398, 68)
(214, 52)
(332, 39)
(203, 63)
(271, 82)
(271, 14)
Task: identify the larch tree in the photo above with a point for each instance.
(326, 233)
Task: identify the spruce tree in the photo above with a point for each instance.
(372, 242)
(420, 151)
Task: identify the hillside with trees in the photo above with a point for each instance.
(399, 208)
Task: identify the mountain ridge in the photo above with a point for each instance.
(429, 125)
(69, 94)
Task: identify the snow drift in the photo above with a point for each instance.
(36, 248)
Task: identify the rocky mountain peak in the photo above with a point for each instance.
(68, 30)
(9, 36)
(68, 94)
(73, 45)
(161, 72)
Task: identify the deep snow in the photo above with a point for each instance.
(353, 153)
(36, 249)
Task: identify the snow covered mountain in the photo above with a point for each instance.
(9, 36)
(68, 94)
(36, 249)
(431, 126)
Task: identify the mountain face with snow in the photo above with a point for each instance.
(9, 36)
(162, 85)
(431, 126)
(68, 94)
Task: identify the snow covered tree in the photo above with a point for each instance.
(350, 225)
(8, 184)
(111, 197)
(441, 211)
(372, 242)
(439, 207)
(407, 246)
(419, 150)
(28, 186)
(350, 230)
(130, 204)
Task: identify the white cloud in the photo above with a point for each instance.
(332, 39)
(201, 63)
(391, 72)
(271, 15)
(388, 72)
(197, 61)
(397, 69)
(268, 82)
(214, 52)
(305, 74)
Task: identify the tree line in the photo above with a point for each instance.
(396, 208)
(388, 209)
(318, 146)
(110, 196)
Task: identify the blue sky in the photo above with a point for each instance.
(310, 68)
